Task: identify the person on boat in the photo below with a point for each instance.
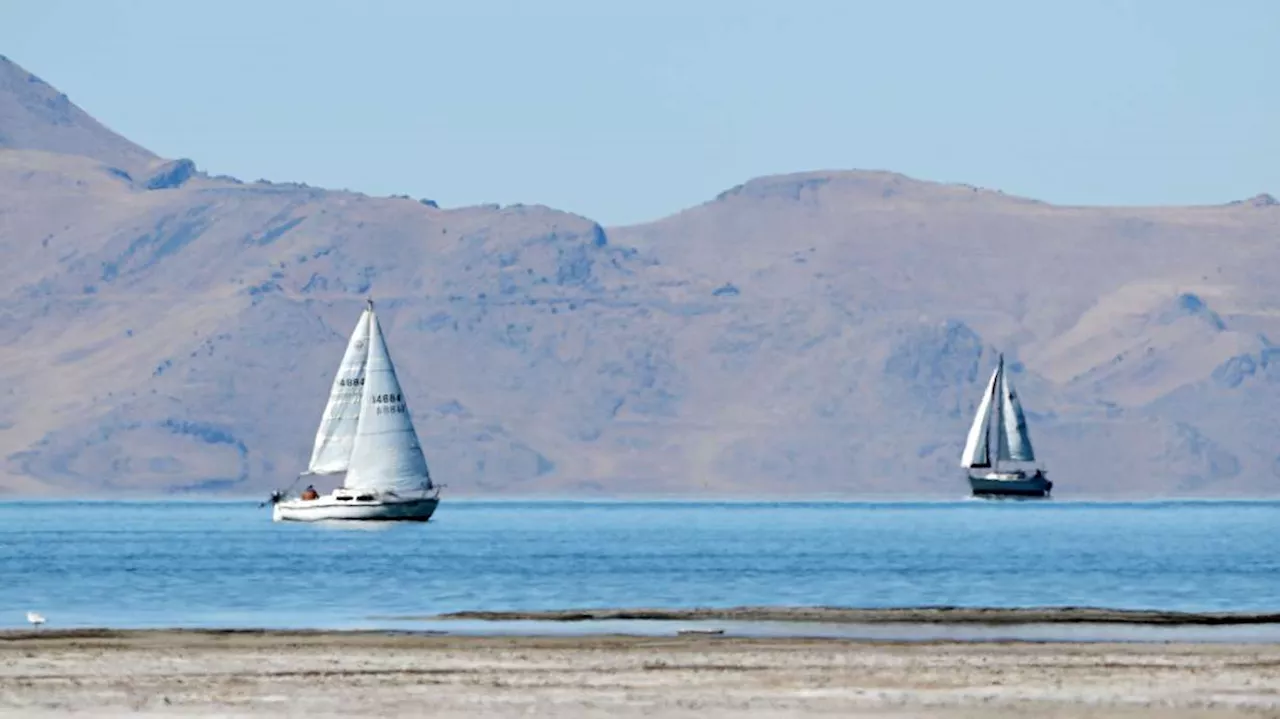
(310, 493)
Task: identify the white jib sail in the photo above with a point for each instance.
(337, 432)
(387, 456)
(1015, 426)
(975, 447)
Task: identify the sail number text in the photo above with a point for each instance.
(389, 403)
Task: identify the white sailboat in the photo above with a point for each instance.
(1000, 408)
(367, 434)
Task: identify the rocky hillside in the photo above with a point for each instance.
(817, 334)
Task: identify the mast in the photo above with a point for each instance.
(998, 415)
(986, 432)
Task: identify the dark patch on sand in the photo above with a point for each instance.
(919, 615)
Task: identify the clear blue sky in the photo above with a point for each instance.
(628, 111)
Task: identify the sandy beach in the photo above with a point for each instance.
(260, 674)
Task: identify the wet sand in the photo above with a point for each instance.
(907, 615)
(315, 674)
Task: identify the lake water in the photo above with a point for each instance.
(165, 564)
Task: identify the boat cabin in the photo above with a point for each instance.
(343, 494)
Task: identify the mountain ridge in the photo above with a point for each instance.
(36, 116)
(819, 333)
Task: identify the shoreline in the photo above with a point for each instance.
(215, 639)
(641, 621)
(195, 637)
(908, 625)
(988, 616)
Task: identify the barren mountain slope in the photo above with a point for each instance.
(822, 333)
(35, 116)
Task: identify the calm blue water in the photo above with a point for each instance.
(146, 564)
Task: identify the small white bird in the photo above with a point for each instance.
(35, 619)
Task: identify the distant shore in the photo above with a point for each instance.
(251, 673)
(906, 615)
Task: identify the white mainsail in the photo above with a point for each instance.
(976, 450)
(336, 435)
(1013, 441)
(1016, 442)
(386, 455)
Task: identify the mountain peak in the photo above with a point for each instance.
(861, 185)
(34, 115)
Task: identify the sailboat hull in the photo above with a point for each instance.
(353, 510)
(1010, 484)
